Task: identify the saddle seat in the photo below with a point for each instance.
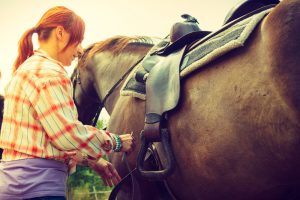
(181, 34)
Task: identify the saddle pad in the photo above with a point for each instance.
(225, 41)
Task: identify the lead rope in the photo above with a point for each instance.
(97, 115)
(135, 191)
(113, 88)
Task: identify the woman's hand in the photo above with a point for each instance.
(128, 143)
(107, 171)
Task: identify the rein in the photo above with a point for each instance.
(121, 79)
(135, 186)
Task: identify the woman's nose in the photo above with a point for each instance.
(79, 50)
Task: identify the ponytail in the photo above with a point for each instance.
(25, 48)
(56, 16)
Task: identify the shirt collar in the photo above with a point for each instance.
(43, 54)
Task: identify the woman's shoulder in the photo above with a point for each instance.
(42, 66)
(41, 72)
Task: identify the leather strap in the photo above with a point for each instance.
(162, 89)
(135, 193)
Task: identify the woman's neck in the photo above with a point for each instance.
(50, 51)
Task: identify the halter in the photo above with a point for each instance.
(101, 103)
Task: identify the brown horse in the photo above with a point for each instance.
(236, 130)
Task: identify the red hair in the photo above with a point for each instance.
(57, 16)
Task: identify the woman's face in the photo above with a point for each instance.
(67, 55)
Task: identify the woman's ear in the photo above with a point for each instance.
(59, 31)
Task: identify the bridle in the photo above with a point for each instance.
(110, 91)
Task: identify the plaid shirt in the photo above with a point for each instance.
(40, 118)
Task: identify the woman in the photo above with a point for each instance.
(41, 135)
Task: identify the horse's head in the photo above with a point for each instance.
(94, 79)
(85, 97)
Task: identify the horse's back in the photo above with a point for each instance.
(238, 118)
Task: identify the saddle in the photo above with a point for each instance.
(161, 65)
(181, 33)
(161, 75)
(245, 7)
(163, 62)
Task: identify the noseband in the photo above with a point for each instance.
(101, 103)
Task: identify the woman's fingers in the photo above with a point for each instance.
(108, 173)
(114, 172)
(128, 142)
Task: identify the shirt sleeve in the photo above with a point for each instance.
(52, 100)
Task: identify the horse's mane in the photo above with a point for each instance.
(115, 45)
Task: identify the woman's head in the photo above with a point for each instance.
(54, 20)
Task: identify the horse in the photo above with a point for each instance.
(235, 132)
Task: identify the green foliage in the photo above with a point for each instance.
(84, 181)
(101, 124)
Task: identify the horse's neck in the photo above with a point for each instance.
(110, 82)
(112, 100)
(117, 68)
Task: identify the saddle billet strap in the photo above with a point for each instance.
(209, 36)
